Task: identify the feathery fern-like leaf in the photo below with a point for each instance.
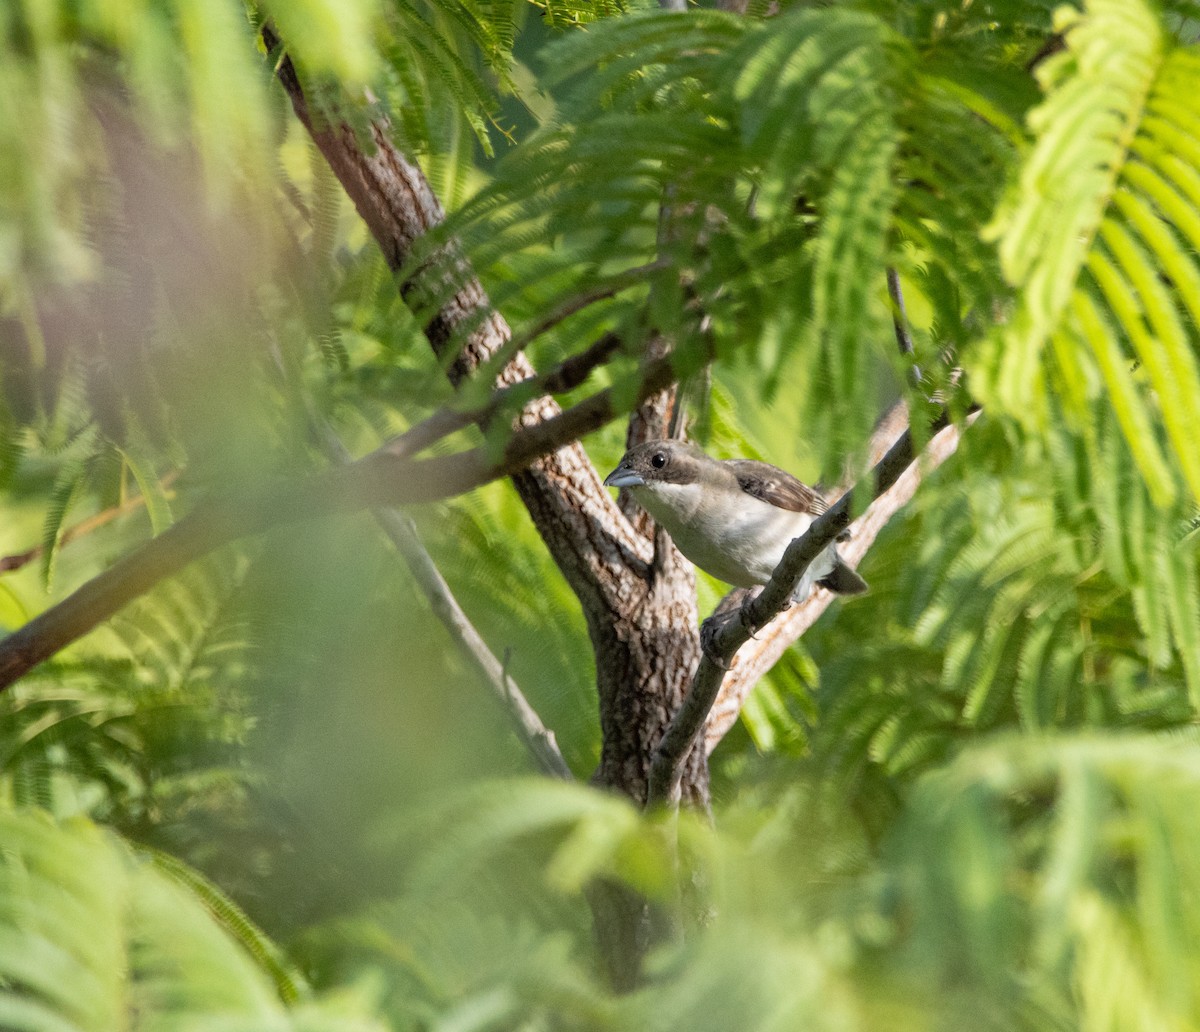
(94, 938)
(1104, 207)
(68, 485)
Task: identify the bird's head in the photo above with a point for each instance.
(658, 462)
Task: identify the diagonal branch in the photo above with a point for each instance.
(607, 287)
(899, 315)
(8, 563)
(688, 723)
(900, 323)
(764, 650)
(381, 478)
(565, 376)
(538, 739)
(402, 533)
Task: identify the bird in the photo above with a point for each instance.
(733, 518)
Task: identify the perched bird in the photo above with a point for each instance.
(733, 518)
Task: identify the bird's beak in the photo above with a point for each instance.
(620, 477)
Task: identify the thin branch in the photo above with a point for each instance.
(900, 322)
(688, 723)
(378, 479)
(565, 376)
(899, 315)
(84, 527)
(402, 532)
(609, 287)
(537, 737)
(572, 371)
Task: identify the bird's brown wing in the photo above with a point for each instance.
(776, 486)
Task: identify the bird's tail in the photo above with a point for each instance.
(842, 580)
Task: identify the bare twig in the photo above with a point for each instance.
(537, 737)
(402, 532)
(572, 371)
(900, 322)
(610, 286)
(899, 316)
(566, 376)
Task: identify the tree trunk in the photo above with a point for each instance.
(637, 593)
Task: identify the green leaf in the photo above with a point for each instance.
(68, 484)
(1104, 190)
(1167, 356)
(158, 508)
(1125, 399)
(92, 938)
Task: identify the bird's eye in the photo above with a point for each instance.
(658, 460)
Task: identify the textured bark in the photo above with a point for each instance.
(639, 601)
(664, 642)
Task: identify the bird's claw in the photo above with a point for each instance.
(731, 609)
(743, 610)
(708, 639)
(747, 623)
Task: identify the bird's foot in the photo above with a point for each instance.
(747, 623)
(744, 603)
(734, 606)
(708, 638)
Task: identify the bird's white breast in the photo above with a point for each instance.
(733, 536)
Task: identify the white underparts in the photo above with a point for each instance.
(733, 536)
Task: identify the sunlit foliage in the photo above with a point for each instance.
(965, 800)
